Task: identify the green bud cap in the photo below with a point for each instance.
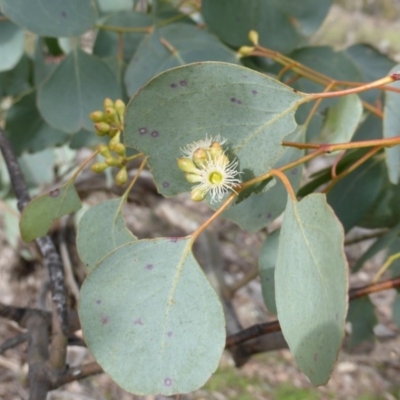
(186, 165)
(253, 37)
(114, 161)
(102, 128)
(99, 167)
(111, 114)
(108, 103)
(120, 108)
(96, 116)
(245, 50)
(200, 157)
(104, 150)
(122, 176)
(192, 178)
(197, 194)
(119, 148)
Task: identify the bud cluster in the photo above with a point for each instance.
(111, 122)
(206, 165)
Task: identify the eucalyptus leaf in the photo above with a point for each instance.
(151, 319)
(363, 319)
(311, 285)
(102, 230)
(281, 25)
(266, 264)
(42, 211)
(391, 128)
(172, 46)
(85, 82)
(11, 44)
(26, 128)
(17, 80)
(55, 18)
(252, 111)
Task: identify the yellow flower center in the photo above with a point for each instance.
(215, 178)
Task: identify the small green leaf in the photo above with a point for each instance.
(363, 319)
(266, 264)
(85, 82)
(391, 128)
(342, 120)
(151, 319)
(40, 213)
(187, 44)
(58, 18)
(252, 111)
(311, 285)
(11, 44)
(281, 25)
(353, 196)
(102, 230)
(26, 128)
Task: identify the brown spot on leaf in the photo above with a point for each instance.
(54, 193)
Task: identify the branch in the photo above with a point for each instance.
(38, 374)
(13, 342)
(270, 327)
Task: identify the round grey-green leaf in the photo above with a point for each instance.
(151, 319)
(11, 45)
(252, 111)
(76, 87)
(54, 18)
(101, 230)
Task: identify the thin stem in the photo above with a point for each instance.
(134, 157)
(285, 181)
(316, 104)
(134, 180)
(385, 266)
(336, 163)
(83, 165)
(360, 161)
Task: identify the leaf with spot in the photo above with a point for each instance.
(84, 82)
(11, 44)
(172, 46)
(311, 285)
(266, 264)
(26, 128)
(391, 128)
(151, 319)
(38, 216)
(260, 209)
(363, 319)
(102, 230)
(54, 18)
(252, 111)
(281, 25)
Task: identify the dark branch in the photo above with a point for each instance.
(13, 342)
(269, 327)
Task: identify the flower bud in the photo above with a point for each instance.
(96, 116)
(104, 150)
(197, 194)
(99, 167)
(120, 108)
(114, 161)
(246, 50)
(119, 148)
(200, 157)
(186, 165)
(113, 132)
(253, 36)
(102, 128)
(122, 176)
(111, 114)
(192, 178)
(108, 103)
